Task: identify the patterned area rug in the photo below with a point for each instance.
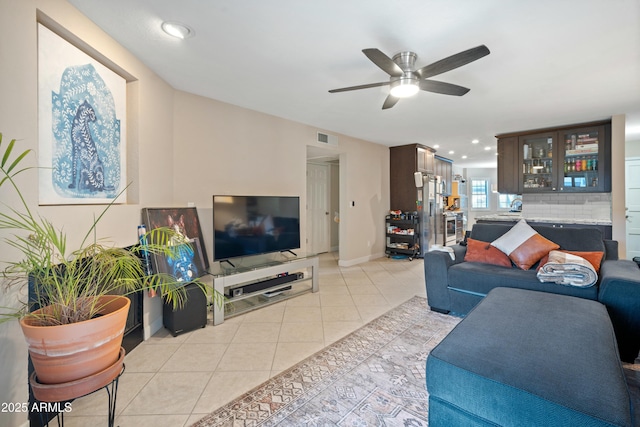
(372, 377)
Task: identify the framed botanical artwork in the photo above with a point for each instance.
(192, 261)
(82, 125)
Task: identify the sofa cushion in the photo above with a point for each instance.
(529, 358)
(478, 279)
(478, 251)
(524, 245)
(569, 238)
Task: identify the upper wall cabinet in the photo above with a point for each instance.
(574, 158)
(444, 169)
(405, 160)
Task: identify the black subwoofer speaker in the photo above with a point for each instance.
(192, 316)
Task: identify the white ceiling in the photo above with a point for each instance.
(552, 62)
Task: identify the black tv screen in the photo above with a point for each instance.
(254, 225)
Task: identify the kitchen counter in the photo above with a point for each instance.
(514, 217)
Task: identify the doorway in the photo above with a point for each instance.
(323, 201)
(632, 214)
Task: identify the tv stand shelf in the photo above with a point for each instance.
(247, 302)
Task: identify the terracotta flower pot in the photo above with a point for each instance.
(65, 353)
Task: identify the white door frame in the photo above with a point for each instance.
(632, 209)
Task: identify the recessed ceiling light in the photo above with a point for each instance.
(496, 153)
(436, 146)
(464, 157)
(475, 141)
(487, 148)
(177, 29)
(451, 152)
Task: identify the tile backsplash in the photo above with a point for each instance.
(566, 205)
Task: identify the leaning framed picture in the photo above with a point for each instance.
(192, 261)
(82, 125)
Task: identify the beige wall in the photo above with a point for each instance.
(182, 148)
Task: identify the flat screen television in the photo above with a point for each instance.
(254, 225)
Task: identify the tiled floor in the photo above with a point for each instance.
(175, 381)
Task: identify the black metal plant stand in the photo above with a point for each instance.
(45, 394)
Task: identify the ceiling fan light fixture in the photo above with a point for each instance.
(404, 87)
(177, 29)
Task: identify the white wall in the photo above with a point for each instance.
(182, 148)
(632, 148)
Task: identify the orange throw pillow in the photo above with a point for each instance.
(479, 251)
(524, 245)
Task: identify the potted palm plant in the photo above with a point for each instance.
(80, 294)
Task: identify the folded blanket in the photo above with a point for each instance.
(443, 249)
(568, 269)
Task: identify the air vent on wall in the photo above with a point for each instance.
(327, 139)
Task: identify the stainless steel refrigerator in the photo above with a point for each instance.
(430, 198)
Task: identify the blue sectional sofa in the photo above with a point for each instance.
(456, 285)
(553, 363)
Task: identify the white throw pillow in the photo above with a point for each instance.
(524, 245)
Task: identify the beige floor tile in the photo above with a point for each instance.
(219, 334)
(368, 313)
(84, 421)
(363, 290)
(333, 331)
(302, 314)
(248, 357)
(334, 290)
(369, 300)
(195, 357)
(290, 353)
(306, 300)
(97, 403)
(340, 314)
(251, 332)
(163, 336)
(149, 357)
(169, 393)
(150, 421)
(301, 332)
(336, 300)
(272, 313)
(334, 279)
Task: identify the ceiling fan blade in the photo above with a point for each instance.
(367, 86)
(390, 102)
(385, 63)
(442, 87)
(453, 61)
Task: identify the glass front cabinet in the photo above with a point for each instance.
(567, 159)
(583, 159)
(538, 168)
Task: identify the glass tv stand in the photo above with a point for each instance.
(250, 287)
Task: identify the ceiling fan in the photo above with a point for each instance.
(406, 81)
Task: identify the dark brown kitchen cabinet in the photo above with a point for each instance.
(575, 158)
(444, 169)
(426, 159)
(509, 171)
(404, 161)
